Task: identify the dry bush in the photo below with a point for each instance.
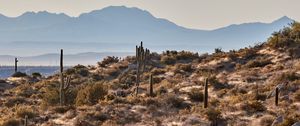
(61, 109)
(11, 122)
(186, 55)
(247, 53)
(108, 60)
(196, 95)
(253, 107)
(14, 101)
(213, 114)
(174, 101)
(216, 84)
(22, 111)
(168, 60)
(289, 121)
(24, 90)
(266, 120)
(288, 76)
(183, 67)
(158, 71)
(297, 96)
(51, 95)
(257, 63)
(90, 93)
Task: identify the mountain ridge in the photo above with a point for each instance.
(123, 27)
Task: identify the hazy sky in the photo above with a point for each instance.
(198, 14)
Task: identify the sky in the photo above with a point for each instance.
(196, 14)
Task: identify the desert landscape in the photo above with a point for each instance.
(257, 85)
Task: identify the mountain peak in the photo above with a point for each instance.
(118, 11)
(42, 13)
(283, 19)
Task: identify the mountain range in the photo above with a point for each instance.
(119, 29)
(52, 59)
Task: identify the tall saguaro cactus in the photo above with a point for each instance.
(16, 64)
(151, 86)
(276, 96)
(142, 56)
(206, 93)
(64, 84)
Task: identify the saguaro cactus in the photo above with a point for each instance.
(16, 64)
(142, 56)
(206, 93)
(276, 96)
(64, 84)
(151, 86)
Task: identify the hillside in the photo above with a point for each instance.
(241, 89)
(44, 32)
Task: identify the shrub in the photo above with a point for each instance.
(213, 114)
(19, 74)
(184, 67)
(157, 71)
(14, 101)
(253, 107)
(258, 63)
(83, 72)
(62, 109)
(22, 111)
(218, 50)
(11, 122)
(297, 96)
(51, 95)
(196, 95)
(186, 55)
(266, 120)
(91, 93)
(168, 60)
(174, 101)
(108, 60)
(289, 76)
(2, 81)
(36, 75)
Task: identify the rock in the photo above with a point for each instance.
(277, 121)
(70, 114)
(296, 124)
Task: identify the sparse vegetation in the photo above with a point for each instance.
(240, 90)
(91, 93)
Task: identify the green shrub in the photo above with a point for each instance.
(36, 75)
(91, 93)
(51, 95)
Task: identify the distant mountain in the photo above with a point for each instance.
(52, 59)
(120, 28)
